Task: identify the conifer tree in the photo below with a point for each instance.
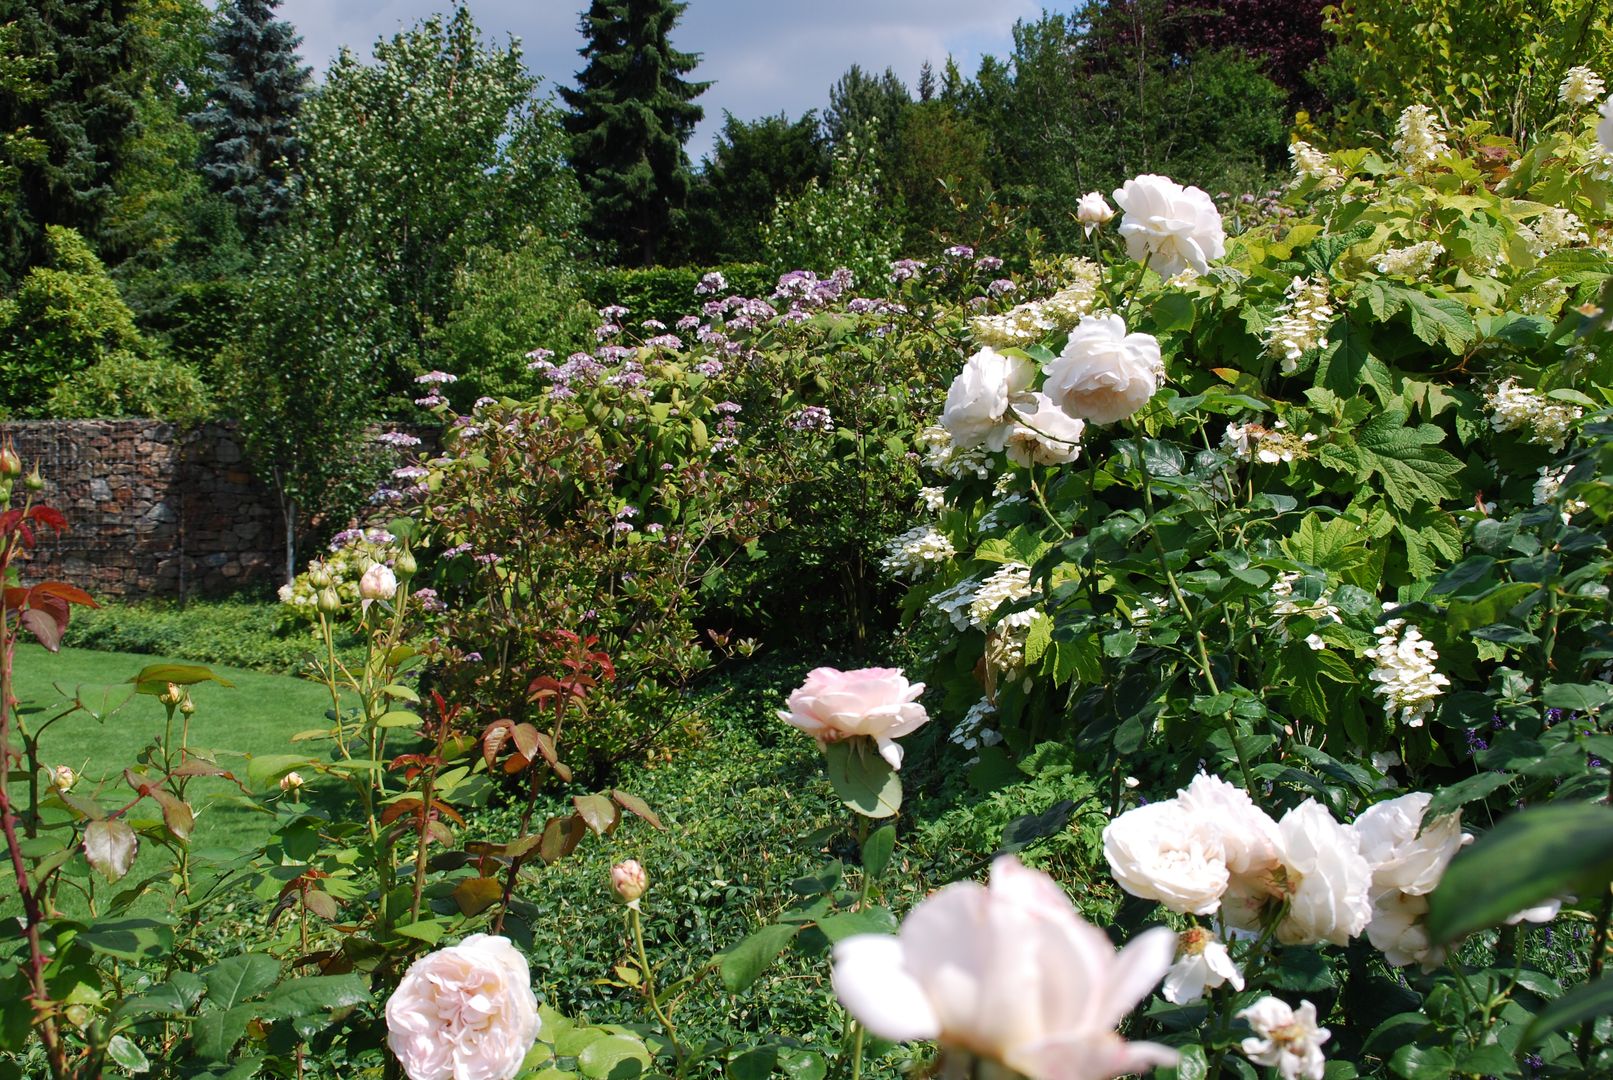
(83, 63)
(251, 150)
(632, 112)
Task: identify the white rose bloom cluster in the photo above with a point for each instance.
(1415, 261)
(1202, 962)
(916, 550)
(977, 404)
(1546, 488)
(1010, 583)
(942, 456)
(1268, 445)
(1408, 861)
(1301, 322)
(1311, 164)
(1406, 678)
(1514, 407)
(1580, 87)
(1286, 1039)
(1212, 850)
(1419, 139)
(1042, 433)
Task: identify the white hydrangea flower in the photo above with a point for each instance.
(913, 552)
(933, 499)
(1078, 298)
(975, 730)
(1557, 228)
(1406, 677)
(1419, 138)
(1580, 87)
(1286, 1039)
(942, 456)
(1011, 582)
(954, 603)
(992, 520)
(1020, 325)
(1311, 164)
(1301, 322)
(1514, 407)
(1546, 488)
(1287, 604)
(1269, 445)
(1415, 261)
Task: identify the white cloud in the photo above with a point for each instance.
(765, 58)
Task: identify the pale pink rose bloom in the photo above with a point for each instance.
(878, 703)
(1104, 374)
(1161, 852)
(1322, 874)
(1400, 858)
(1399, 930)
(1042, 433)
(378, 583)
(466, 1012)
(1170, 227)
(1011, 973)
(1092, 210)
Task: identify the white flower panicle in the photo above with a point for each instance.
(1415, 261)
(975, 730)
(1033, 320)
(916, 550)
(1419, 139)
(1301, 322)
(1580, 87)
(1020, 325)
(1011, 582)
(1287, 604)
(1546, 488)
(1406, 678)
(933, 499)
(1287, 1039)
(942, 456)
(1514, 407)
(1557, 228)
(1311, 164)
(953, 603)
(1269, 445)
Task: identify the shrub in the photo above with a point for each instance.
(125, 384)
(66, 315)
(664, 292)
(237, 633)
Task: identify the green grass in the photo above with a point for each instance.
(257, 715)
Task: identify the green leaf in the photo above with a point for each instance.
(129, 1057)
(1532, 856)
(863, 780)
(1021, 833)
(1463, 792)
(398, 718)
(154, 678)
(1422, 1063)
(1172, 311)
(1410, 461)
(1576, 697)
(872, 920)
(234, 979)
(216, 1032)
(428, 930)
(743, 962)
(877, 850)
(313, 994)
(129, 939)
(1582, 1003)
(265, 770)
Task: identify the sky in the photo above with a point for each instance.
(766, 56)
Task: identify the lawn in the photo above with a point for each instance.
(257, 714)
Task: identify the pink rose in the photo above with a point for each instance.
(878, 703)
(464, 1013)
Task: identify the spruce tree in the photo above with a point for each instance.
(632, 112)
(251, 151)
(84, 62)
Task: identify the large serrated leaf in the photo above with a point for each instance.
(1412, 465)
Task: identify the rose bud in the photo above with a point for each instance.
(630, 881)
(378, 583)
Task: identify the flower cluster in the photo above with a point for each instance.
(1035, 319)
(1580, 87)
(1546, 488)
(1419, 139)
(1301, 323)
(919, 548)
(1311, 164)
(1286, 1039)
(1405, 674)
(337, 581)
(1415, 261)
(1256, 442)
(1514, 407)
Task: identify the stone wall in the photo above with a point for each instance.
(152, 510)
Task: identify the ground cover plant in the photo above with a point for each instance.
(1256, 654)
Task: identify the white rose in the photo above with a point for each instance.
(1399, 931)
(1104, 374)
(1170, 227)
(976, 411)
(1009, 972)
(1249, 837)
(1287, 1039)
(1401, 859)
(1328, 879)
(1042, 433)
(378, 583)
(1161, 852)
(1201, 962)
(1092, 210)
(466, 1012)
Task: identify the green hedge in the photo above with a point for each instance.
(238, 633)
(667, 292)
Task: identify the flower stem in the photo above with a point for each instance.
(636, 921)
